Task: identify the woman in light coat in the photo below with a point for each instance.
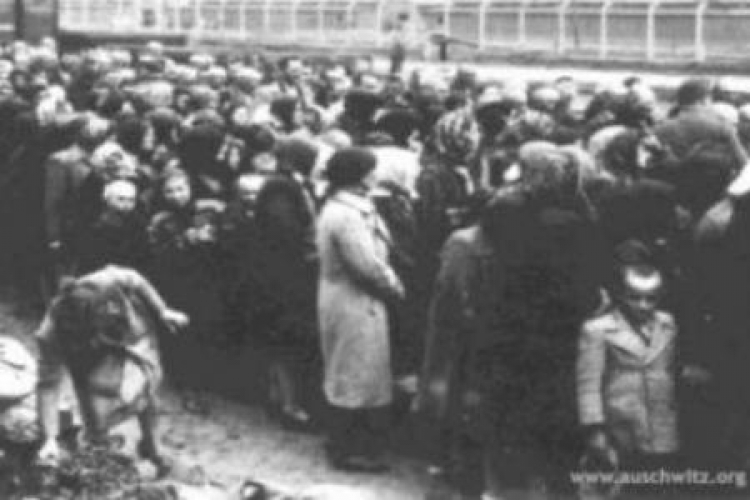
(356, 283)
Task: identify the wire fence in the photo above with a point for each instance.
(651, 30)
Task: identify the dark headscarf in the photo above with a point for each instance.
(283, 108)
(297, 155)
(348, 166)
(399, 124)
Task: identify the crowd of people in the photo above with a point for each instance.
(560, 278)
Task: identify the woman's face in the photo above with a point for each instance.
(265, 163)
(370, 181)
(177, 192)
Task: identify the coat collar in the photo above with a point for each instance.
(366, 207)
(623, 336)
(356, 201)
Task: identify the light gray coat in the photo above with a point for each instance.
(355, 283)
(628, 383)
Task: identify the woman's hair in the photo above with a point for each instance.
(348, 166)
(284, 108)
(621, 154)
(297, 155)
(73, 311)
(504, 219)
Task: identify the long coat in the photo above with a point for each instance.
(456, 320)
(628, 384)
(285, 267)
(355, 283)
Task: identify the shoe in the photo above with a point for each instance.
(195, 405)
(252, 490)
(295, 419)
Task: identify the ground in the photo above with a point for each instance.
(238, 441)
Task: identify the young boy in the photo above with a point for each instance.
(626, 375)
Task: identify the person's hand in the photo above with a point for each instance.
(192, 236)
(175, 320)
(471, 399)
(597, 442)
(695, 375)
(438, 388)
(206, 234)
(49, 454)
(600, 449)
(400, 290)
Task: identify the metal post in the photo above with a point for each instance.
(159, 16)
(222, 20)
(120, 9)
(700, 42)
(267, 17)
(561, 28)
(294, 23)
(321, 21)
(522, 23)
(447, 7)
(243, 19)
(19, 20)
(651, 30)
(482, 41)
(379, 20)
(604, 29)
(350, 28)
(138, 14)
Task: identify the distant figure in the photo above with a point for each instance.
(398, 44)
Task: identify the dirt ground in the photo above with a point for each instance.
(238, 441)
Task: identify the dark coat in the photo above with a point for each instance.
(114, 240)
(458, 312)
(65, 173)
(187, 272)
(286, 265)
(504, 324)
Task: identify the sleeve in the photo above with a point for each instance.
(51, 365)
(284, 218)
(738, 150)
(54, 196)
(163, 236)
(355, 243)
(590, 366)
(430, 211)
(141, 287)
(451, 319)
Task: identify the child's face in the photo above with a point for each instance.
(640, 296)
(177, 192)
(123, 203)
(248, 188)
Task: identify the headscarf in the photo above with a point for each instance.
(456, 136)
(297, 155)
(557, 174)
(400, 124)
